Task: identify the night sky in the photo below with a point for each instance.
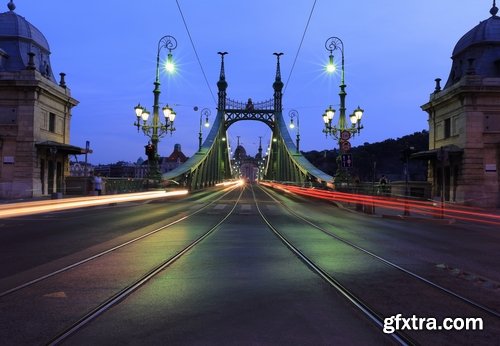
(393, 52)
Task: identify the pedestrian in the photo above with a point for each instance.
(97, 183)
(383, 185)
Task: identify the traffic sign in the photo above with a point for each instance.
(345, 135)
(345, 145)
(346, 160)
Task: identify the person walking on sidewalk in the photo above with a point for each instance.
(98, 183)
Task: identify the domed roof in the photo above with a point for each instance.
(478, 51)
(18, 37)
(486, 32)
(240, 153)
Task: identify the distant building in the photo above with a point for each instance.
(174, 160)
(166, 163)
(120, 169)
(464, 121)
(35, 113)
(246, 166)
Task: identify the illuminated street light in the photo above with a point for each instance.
(155, 128)
(205, 112)
(294, 114)
(341, 131)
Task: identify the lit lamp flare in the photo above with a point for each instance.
(330, 68)
(170, 66)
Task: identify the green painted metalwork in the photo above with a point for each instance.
(212, 165)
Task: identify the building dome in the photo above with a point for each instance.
(18, 37)
(240, 153)
(478, 51)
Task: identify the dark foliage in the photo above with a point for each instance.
(370, 161)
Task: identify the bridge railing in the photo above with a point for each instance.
(267, 105)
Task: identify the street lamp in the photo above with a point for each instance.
(204, 112)
(155, 128)
(294, 114)
(342, 132)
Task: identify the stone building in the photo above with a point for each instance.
(174, 160)
(464, 121)
(35, 113)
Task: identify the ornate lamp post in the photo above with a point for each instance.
(155, 128)
(204, 112)
(342, 132)
(294, 114)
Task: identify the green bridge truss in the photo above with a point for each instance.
(212, 164)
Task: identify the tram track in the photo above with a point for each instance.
(208, 225)
(125, 292)
(343, 286)
(112, 249)
(127, 299)
(346, 293)
(36, 289)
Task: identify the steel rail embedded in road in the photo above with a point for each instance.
(392, 264)
(358, 303)
(125, 292)
(114, 248)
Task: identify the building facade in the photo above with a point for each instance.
(35, 113)
(464, 121)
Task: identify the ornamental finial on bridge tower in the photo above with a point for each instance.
(11, 5)
(222, 75)
(278, 71)
(494, 9)
(277, 85)
(222, 84)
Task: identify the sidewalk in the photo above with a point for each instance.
(432, 212)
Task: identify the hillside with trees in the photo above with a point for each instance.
(370, 161)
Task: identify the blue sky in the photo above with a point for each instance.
(393, 52)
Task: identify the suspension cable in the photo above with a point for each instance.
(195, 52)
(300, 46)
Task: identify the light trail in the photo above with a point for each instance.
(37, 207)
(232, 182)
(427, 208)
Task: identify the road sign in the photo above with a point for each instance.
(345, 135)
(346, 160)
(345, 145)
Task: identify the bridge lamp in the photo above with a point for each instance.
(205, 112)
(167, 111)
(359, 113)
(169, 65)
(154, 127)
(327, 119)
(353, 118)
(294, 114)
(341, 131)
(330, 67)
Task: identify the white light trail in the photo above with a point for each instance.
(37, 207)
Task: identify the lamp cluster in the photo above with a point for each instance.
(341, 131)
(143, 114)
(155, 128)
(334, 130)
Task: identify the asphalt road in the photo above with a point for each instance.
(240, 284)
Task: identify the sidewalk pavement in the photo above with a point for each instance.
(449, 215)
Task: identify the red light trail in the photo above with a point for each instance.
(427, 208)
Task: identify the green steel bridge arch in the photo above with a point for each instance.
(212, 163)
